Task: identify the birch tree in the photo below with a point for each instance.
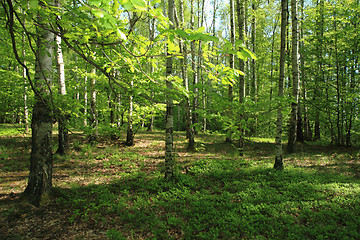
(62, 119)
(41, 162)
(295, 78)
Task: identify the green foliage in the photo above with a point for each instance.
(222, 199)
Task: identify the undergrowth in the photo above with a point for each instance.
(215, 194)
(224, 199)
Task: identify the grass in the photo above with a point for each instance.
(109, 191)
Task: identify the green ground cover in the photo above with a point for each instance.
(109, 191)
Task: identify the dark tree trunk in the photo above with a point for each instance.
(279, 165)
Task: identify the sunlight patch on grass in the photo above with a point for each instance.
(215, 193)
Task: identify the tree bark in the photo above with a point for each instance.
(295, 78)
(130, 130)
(231, 65)
(194, 71)
(41, 162)
(241, 18)
(26, 108)
(93, 111)
(63, 139)
(279, 165)
(183, 63)
(254, 81)
(85, 97)
(169, 155)
(151, 38)
(319, 73)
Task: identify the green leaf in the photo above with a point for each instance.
(249, 53)
(242, 55)
(182, 33)
(115, 6)
(126, 4)
(139, 4)
(33, 4)
(95, 2)
(98, 13)
(200, 30)
(207, 38)
(172, 47)
(121, 35)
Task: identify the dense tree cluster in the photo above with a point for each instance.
(245, 68)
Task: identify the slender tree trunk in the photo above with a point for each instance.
(151, 123)
(26, 108)
(194, 71)
(254, 85)
(169, 155)
(320, 72)
(279, 122)
(295, 78)
(63, 139)
(151, 38)
(77, 94)
(306, 130)
(272, 70)
(201, 5)
(254, 81)
(351, 103)
(232, 65)
(119, 112)
(241, 18)
(41, 162)
(183, 63)
(93, 111)
(85, 97)
(339, 86)
(111, 106)
(130, 130)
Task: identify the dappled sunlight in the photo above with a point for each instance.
(107, 188)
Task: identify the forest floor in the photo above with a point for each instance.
(107, 190)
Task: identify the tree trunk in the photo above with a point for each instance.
(272, 62)
(295, 78)
(231, 65)
(169, 155)
(200, 54)
(151, 38)
(320, 72)
(63, 139)
(93, 111)
(279, 122)
(254, 85)
(85, 98)
(306, 130)
(241, 13)
(183, 63)
(351, 102)
(194, 71)
(26, 108)
(254, 81)
(130, 130)
(119, 120)
(41, 162)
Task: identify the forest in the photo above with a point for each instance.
(179, 119)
